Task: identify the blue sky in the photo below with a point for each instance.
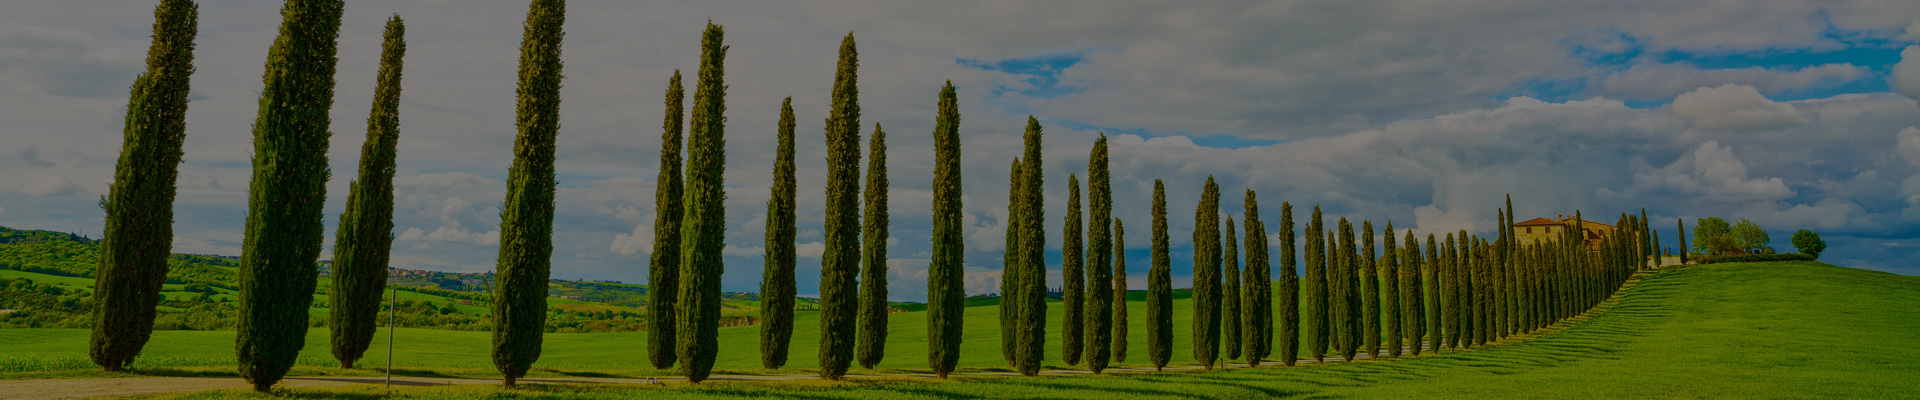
(1797, 116)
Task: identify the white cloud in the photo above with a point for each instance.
(1659, 81)
(1908, 145)
(809, 249)
(1734, 107)
(1906, 73)
(639, 242)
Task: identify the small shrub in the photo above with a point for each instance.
(1755, 258)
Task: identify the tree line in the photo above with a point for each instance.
(1466, 291)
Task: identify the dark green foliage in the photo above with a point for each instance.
(1289, 335)
(139, 224)
(1160, 286)
(1257, 314)
(1450, 287)
(1230, 296)
(1073, 278)
(1032, 332)
(365, 236)
(840, 262)
(946, 274)
(1010, 264)
(1649, 247)
(777, 288)
(1206, 276)
(873, 279)
(1369, 292)
(1390, 297)
(1120, 319)
(1316, 325)
(1713, 236)
(1413, 296)
(1754, 258)
(1432, 271)
(1498, 271)
(703, 227)
(1100, 274)
(1346, 284)
(284, 200)
(1682, 222)
(663, 267)
(1807, 242)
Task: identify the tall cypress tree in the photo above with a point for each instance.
(1390, 298)
(284, 200)
(1230, 296)
(1450, 286)
(946, 273)
(1658, 255)
(840, 263)
(1369, 292)
(1010, 264)
(703, 229)
(132, 264)
(365, 237)
(663, 266)
(1206, 276)
(1073, 278)
(1033, 240)
(1413, 297)
(1499, 279)
(1682, 223)
(1289, 340)
(1435, 281)
(873, 279)
(1120, 319)
(1160, 286)
(1100, 277)
(1317, 328)
(1349, 287)
(1257, 314)
(777, 288)
(1649, 243)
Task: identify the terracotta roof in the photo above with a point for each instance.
(1537, 222)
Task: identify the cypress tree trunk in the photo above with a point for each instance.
(1160, 286)
(703, 229)
(840, 262)
(777, 287)
(1010, 268)
(1390, 297)
(1206, 276)
(287, 192)
(1317, 318)
(1257, 315)
(132, 264)
(1369, 292)
(1120, 319)
(1350, 315)
(1072, 276)
(663, 266)
(946, 274)
(1431, 273)
(1230, 296)
(1100, 277)
(1289, 341)
(873, 279)
(1033, 240)
(365, 237)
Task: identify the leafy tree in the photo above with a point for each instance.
(1230, 296)
(365, 237)
(663, 266)
(946, 274)
(840, 263)
(1160, 286)
(1289, 336)
(132, 263)
(777, 287)
(284, 230)
(1809, 243)
(1705, 230)
(1101, 281)
(873, 279)
(1073, 277)
(1749, 237)
(703, 227)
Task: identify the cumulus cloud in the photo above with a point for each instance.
(1906, 74)
(1734, 107)
(1907, 145)
(1659, 81)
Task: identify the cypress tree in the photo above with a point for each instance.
(1431, 272)
(1206, 276)
(777, 289)
(365, 237)
(1258, 289)
(1486, 285)
(287, 192)
(1160, 286)
(1450, 278)
(1073, 277)
(1390, 297)
(1657, 254)
(840, 262)
(1498, 269)
(703, 229)
(873, 279)
(1033, 240)
(1120, 320)
(663, 266)
(1317, 319)
(946, 274)
(1100, 275)
(1010, 265)
(1413, 298)
(1349, 288)
(132, 264)
(1649, 242)
(1289, 340)
(1682, 223)
(1230, 296)
(1369, 292)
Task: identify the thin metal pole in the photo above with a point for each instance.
(392, 309)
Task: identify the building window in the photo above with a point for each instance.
(1529, 229)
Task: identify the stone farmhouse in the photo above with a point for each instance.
(1542, 229)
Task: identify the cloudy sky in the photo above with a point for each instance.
(1791, 114)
